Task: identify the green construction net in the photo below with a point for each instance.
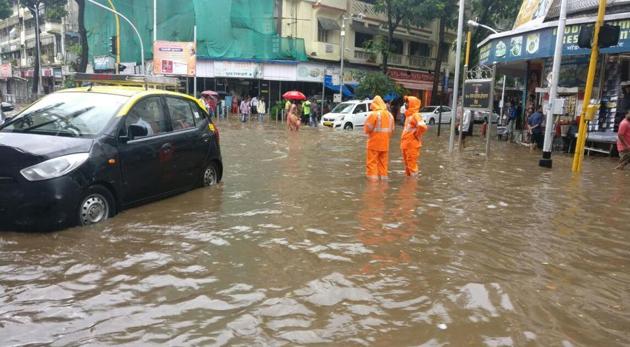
(226, 29)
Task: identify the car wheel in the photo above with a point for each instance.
(96, 206)
(431, 121)
(348, 126)
(210, 175)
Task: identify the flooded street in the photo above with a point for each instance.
(295, 247)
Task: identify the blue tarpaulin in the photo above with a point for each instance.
(335, 87)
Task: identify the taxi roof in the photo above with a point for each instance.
(120, 90)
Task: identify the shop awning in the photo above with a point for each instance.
(335, 87)
(538, 42)
(328, 23)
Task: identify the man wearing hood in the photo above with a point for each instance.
(379, 126)
(411, 138)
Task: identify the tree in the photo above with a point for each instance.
(446, 13)
(376, 83)
(398, 12)
(55, 10)
(5, 9)
(83, 54)
(496, 14)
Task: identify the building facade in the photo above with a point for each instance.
(17, 51)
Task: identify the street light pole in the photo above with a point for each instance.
(144, 72)
(39, 50)
(341, 54)
(458, 56)
(553, 90)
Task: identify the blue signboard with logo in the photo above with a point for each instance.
(540, 44)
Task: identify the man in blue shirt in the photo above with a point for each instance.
(534, 123)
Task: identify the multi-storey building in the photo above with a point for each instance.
(17, 50)
(411, 62)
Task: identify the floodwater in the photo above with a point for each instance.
(295, 247)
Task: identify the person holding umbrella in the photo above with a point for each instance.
(293, 119)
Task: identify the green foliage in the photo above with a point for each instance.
(376, 83)
(5, 9)
(276, 110)
(55, 9)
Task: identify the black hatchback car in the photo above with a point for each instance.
(81, 155)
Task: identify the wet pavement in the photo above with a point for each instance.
(295, 247)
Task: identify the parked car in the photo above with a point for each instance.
(347, 115)
(481, 116)
(79, 156)
(431, 114)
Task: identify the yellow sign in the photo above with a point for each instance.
(174, 58)
(532, 13)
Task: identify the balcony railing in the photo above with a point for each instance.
(365, 56)
(421, 62)
(396, 59)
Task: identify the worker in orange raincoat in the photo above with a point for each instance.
(411, 138)
(379, 126)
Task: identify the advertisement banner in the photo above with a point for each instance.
(477, 94)
(6, 71)
(540, 44)
(234, 69)
(532, 13)
(174, 58)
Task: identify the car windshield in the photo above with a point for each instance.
(428, 109)
(75, 114)
(344, 107)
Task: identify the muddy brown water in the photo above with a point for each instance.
(295, 247)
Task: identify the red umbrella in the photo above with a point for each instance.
(294, 95)
(210, 93)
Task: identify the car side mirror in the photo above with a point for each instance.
(6, 107)
(133, 131)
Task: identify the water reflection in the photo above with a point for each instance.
(295, 247)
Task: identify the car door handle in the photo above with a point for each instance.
(167, 147)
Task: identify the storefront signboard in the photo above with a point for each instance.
(6, 71)
(540, 44)
(417, 80)
(174, 58)
(310, 72)
(234, 69)
(478, 94)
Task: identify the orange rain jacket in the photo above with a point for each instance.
(379, 126)
(414, 125)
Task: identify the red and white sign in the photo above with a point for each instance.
(417, 80)
(6, 71)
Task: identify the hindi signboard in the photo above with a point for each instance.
(174, 58)
(478, 94)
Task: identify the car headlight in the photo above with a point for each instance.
(53, 168)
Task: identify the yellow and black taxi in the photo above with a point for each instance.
(81, 155)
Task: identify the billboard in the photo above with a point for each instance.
(174, 58)
(478, 94)
(532, 13)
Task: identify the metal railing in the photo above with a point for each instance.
(421, 62)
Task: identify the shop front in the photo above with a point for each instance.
(530, 51)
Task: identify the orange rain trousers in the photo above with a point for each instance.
(410, 157)
(376, 164)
